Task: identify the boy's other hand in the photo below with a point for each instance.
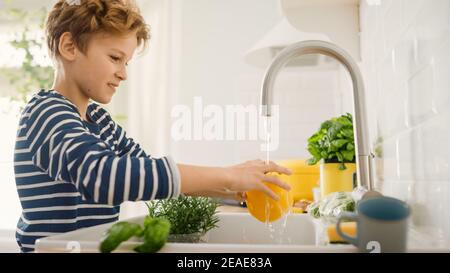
(251, 175)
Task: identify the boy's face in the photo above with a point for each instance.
(100, 71)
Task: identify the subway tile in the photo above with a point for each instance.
(379, 173)
(248, 98)
(416, 138)
(382, 120)
(401, 190)
(318, 89)
(391, 100)
(429, 211)
(396, 109)
(405, 64)
(435, 145)
(364, 16)
(378, 41)
(312, 96)
(286, 86)
(405, 153)
(418, 203)
(372, 20)
(392, 24)
(410, 10)
(441, 72)
(321, 80)
(387, 187)
(301, 114)
(299, 132)
(385, 6)
(387, 73)
(446, 224)
(390, 162)
(420, 90)
(248, 82)
(432, 30)
(385, 90)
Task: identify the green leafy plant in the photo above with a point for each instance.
(30, 76)
(333, 142)
(155, 233)
(186, 214)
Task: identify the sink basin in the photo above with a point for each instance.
(236, 232)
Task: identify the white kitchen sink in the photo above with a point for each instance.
(236, 232)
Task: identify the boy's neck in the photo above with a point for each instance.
(74, 95)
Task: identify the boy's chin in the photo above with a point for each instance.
(102, 99)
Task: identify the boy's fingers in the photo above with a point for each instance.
(268, 191)
(240, 196)
(276, 181)
(273, 167)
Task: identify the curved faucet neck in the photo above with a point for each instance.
(362, 149)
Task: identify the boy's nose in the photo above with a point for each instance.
(122, 75)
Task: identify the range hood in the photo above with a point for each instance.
(280, 36)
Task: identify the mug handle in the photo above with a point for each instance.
(348, 216)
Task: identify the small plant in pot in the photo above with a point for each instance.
(334, 146)
(190, 217)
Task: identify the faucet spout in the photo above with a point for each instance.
(360, 128)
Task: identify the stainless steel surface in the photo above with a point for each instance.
(362, 149)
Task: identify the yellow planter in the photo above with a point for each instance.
(332, 179)
(303, 178)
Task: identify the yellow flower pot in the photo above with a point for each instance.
(303, 180)
(333, 180)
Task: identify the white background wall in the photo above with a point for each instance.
(406, 61)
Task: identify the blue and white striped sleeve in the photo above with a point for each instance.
(127, 146)
(68, 151)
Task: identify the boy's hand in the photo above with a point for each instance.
(251, 175)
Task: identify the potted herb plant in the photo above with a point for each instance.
(334, 146)
(190, 217)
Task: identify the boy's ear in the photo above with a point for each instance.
(66, 47)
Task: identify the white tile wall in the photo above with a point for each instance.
(306, 96)
(405, 47)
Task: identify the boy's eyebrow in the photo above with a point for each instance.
(120, 51)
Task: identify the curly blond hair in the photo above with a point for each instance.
(119, 17)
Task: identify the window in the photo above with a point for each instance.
(9, 200)
(13, 97)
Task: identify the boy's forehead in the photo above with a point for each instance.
(122, 43)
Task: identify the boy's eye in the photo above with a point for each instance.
(114, 58)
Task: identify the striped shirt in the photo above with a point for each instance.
(72, 174)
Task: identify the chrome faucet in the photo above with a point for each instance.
(362, 149)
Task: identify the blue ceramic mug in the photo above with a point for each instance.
(382, 225)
